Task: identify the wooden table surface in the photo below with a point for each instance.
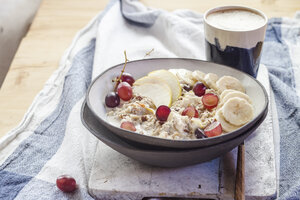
(53, 29)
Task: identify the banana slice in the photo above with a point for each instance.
(211, 79)
(237, 111)
(226, 126)
(229, 82)
(198, 76)
(183, 75)
(236, 93)
(225, 92)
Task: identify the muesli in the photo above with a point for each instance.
(179, 104)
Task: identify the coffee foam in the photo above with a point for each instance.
(244, 30)
(235, 20)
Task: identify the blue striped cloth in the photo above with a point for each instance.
(27, 153)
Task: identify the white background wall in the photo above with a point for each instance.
(15, 19)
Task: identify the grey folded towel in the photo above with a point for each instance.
(282, 64)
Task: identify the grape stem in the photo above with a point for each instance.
(119, 78)
(149, 52)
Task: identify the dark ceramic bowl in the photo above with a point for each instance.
(103, 84)
(161, 157)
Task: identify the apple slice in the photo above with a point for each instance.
(170, 79)
(149, 79)
(159, 93)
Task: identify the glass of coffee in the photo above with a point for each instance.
(234, 36)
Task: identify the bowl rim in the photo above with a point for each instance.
(165, 140)
(153, 156)
(131, 147)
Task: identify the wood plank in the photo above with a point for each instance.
(52, 31)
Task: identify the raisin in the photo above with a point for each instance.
(144, 118)
(139, 98)
(187, 87)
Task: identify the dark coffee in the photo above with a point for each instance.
(246, 60)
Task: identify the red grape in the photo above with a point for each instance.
(190, 111)
(214, 129)
(162, 113)
(126, 77)
(199, 89)
(66, 183)
(210, 100)
(124, 91)
(128, 126)
(112, 100)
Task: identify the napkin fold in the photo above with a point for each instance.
(49, 143)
